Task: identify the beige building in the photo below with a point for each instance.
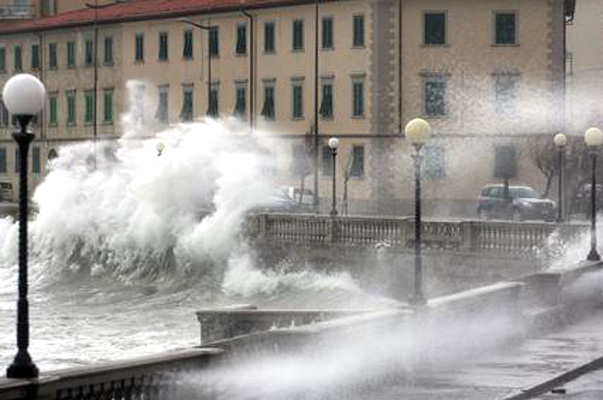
(485, 74)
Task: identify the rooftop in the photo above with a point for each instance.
(141, 10)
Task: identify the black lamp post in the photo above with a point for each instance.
(560, 141)
(593, 138)
(417, 133)
(208, 29)
(24, 96)
(334, 145)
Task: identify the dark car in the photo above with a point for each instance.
(521, 202)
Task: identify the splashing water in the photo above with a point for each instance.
(127, 244)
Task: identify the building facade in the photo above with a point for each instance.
(487, 75)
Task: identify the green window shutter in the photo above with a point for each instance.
(505, 28)
(298, 35)
(139, 47)
(35, 56)
(36, 164)
(2, 58)
(108, 50)
(268, 107)
(18, 58)
(358, 105)
(358, 34)
(52, 55)
(89, 115)
(52, 106)
(3, 168)
(108, 106)
(241, 47)
(326, 106)
(88, 58)
(187, 47)
(435, 28)
(269, 37)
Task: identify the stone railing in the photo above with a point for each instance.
(149, 378)
(519, 239)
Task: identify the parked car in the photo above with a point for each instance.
(522, 202)
(288, 199)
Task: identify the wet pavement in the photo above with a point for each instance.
(501, 374)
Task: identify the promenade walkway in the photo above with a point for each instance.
(504, 373)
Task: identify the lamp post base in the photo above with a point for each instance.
(22, 367)
(593, 255)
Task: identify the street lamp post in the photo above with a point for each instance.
(593, 138)
(334, 145)
(417, 133)
(560, 141)
(208, 29)
(24, 96)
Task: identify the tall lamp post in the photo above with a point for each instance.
(24, 96)
(334, 145)
(593, 138)
(560, 141)
(417, 133)
(204, 28)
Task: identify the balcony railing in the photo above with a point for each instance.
(15, 11)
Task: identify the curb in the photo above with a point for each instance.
(557, 381)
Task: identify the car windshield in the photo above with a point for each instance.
(524, 193)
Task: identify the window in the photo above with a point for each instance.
(186, 113)
(268, 107)
(434, 24)
(70, 54)
(327, 33)
(505, 161)
(162, 105)
(52, 55)
(212, 103)
(298, 35)
(298, 99)
(163, 46)
(36, 164)
(358, 31)
(505, 87)
(108, 50)
(3, 168)
(71, 107)
(434, 166)
(241, 47)
(357, 97)
(35, 56)
(108, 106)
(327, 161)
(49, 7)
(139, 47)
(89, 103)
(505, 28)
(357, 167)
(18, 58)
(326, 106)
(434, 95)
(52, 109)
(269, 37)
(17, 161)
(241, 103)
(187, 46)
(2, 58)
(4, 115)
(89, 49)
(214, 42)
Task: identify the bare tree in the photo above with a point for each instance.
(302, 165)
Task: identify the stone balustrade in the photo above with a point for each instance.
(519, 239)
(148, 378)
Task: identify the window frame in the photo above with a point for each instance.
(355, 18)
(327, 33)
(163, 47)
(295, 45)
(426, 13)
(272, 39)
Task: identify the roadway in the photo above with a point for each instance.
(507, 372)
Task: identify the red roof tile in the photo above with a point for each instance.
(140, 10)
